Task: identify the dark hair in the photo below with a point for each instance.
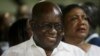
(68, 8)
(91, 10)
(18, 32)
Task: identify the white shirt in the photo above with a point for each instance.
(29, 48)
(94, 51)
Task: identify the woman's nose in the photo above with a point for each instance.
(80, 20)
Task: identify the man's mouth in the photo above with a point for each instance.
(52, 38)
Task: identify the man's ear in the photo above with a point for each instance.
(62, 33)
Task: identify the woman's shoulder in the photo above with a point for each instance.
(95, 47)
(70, 46)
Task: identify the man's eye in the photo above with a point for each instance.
(58, 26)
(44, 26)
(47, 26)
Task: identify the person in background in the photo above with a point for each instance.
(22, 11)
(19, 32)
(6, 20)
(1, 51)
(46, 24)
(76, 29)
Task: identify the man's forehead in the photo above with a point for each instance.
(44, 8)
(49, 20)
(49, 13)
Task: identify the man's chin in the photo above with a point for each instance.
(50, 47)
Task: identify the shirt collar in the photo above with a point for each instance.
(60, 46)
(31, 42)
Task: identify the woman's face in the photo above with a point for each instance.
(76, 23)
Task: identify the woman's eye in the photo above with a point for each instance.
(85, 17)
(73, 18)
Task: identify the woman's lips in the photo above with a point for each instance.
(81, 29)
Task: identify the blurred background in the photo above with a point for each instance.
(10, 5)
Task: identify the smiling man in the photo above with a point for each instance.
(47, 29)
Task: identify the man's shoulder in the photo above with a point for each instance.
(19, 46)
(16, 49)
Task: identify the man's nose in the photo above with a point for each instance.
(53, 30)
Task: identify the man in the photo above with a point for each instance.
(46, 24)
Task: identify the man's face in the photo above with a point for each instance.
(47, 31)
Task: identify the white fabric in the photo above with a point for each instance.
(94, 35)
(94, 51)
(29, 48)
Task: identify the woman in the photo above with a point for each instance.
(76, 29)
